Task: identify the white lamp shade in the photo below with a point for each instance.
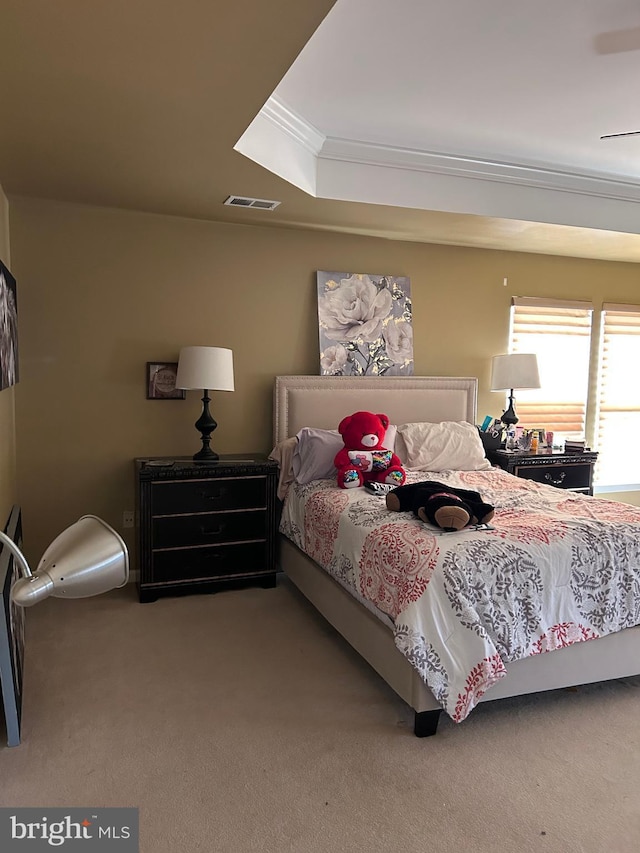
(88, 558)
(515, 370)
(205, 368)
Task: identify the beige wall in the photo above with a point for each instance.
(8, 492)
(104, 291)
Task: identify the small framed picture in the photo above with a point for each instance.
(161, 381)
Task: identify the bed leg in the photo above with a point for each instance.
(426, 723)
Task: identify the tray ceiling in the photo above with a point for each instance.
(462, 123)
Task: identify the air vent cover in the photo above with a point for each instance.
(243, 201)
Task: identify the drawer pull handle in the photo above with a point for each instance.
(217, 497)
(212, 531)
(557, 481)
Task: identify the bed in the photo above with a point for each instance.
(321, 402)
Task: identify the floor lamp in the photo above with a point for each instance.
(88, 558)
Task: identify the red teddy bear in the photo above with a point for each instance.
(363, 458)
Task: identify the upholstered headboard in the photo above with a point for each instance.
(322, 401)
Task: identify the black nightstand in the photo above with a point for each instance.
(573, 471)
(204, 527)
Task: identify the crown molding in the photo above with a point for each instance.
(538, 177)
(283, 141)
(293, 124)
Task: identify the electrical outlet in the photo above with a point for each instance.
(128, 518)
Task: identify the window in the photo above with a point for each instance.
(559, 332)
(618, 423)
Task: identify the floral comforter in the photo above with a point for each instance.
(557, 568)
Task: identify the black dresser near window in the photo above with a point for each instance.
(573, 471)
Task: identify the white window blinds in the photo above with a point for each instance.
(559, 333)
(619, 397)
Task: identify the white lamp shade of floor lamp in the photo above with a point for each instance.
(86, 559)
(207, 369)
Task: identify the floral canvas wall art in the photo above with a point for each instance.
(364, 324)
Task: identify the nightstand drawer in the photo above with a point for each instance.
(209, 528)
(178, 497)
(192, 564)
(564, 476)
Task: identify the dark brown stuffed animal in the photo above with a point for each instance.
(439, 504)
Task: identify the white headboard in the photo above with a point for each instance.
(322, 401)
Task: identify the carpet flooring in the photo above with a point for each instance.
(241, 722)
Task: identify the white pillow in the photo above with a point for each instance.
(446, 446)
(317, 448)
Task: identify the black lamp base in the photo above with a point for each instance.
(206, 425)
(509, 417)
(206, 455)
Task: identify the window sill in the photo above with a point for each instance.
(629, 487)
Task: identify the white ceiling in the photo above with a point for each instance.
(502, 80)
(438, 121)
(493, 108)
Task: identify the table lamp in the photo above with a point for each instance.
(514, 371)
(207, 369)
(88, 558)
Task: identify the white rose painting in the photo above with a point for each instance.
(364, 324)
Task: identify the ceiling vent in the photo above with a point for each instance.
(259, 203)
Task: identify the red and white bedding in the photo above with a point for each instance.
(558, 568)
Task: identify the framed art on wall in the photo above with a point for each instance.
(161, 381)
(12, 625)
(8, 329)
(365, 324)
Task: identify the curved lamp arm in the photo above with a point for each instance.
(30, 588)
(17, 553)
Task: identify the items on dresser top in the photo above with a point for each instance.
(205, 526)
